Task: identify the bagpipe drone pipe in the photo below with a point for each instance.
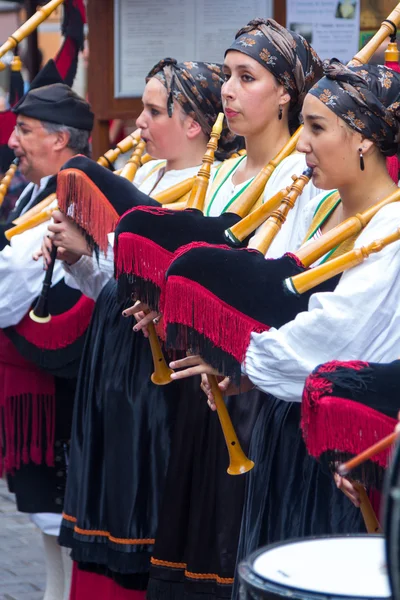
(215, 297)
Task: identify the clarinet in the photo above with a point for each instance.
(40, 312)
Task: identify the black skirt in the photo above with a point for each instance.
(199, 523)
(288, 494)
(120, 448)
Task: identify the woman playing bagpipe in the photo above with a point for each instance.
(351, 122)
(122, 421)
(268, 70)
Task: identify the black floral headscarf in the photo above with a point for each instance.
(367, 98)
(286, 54)
(197, 88)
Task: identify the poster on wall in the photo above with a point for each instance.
(331, 26)
(147, 30)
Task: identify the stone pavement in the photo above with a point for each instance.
(22, 570)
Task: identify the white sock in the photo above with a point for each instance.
(67, 567)
(54, 568)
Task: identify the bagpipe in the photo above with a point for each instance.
(94, 198)
(349, 409)
(209, 302)
(147, 240)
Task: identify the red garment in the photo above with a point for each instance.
(90, 586)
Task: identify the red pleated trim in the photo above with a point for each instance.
(332, 423)
(62, 330)
(85, 204)
(27, 404)
(91, 586)
(190, 304)
(140, 256)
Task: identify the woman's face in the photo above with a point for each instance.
(330, 146)
(250, 95)
(163, 135)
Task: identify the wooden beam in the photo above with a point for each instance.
(32, 56)
(280, 11)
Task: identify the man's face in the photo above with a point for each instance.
(35, 148)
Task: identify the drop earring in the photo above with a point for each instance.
(362, 166)
(280, 113)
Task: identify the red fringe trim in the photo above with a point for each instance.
(331, 423)
(140, 256)
(190, 304)
(62, 330)
(85, 204)
(27, 401)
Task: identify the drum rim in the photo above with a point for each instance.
(296, 593)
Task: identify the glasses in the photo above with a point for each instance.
(22, 130)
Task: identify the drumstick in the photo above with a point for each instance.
(383, 444)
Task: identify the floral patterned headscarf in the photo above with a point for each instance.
(286, 54)
(196, 86)
(367, 98)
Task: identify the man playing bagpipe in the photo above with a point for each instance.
(39, 362)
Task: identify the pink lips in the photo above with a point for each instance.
(230, 113)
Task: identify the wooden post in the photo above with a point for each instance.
(32, 55)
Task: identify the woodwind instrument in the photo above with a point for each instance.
(371, 522)
(7, 179)
(264, 238)
(243, 205)
(123, 146)
(34, 220)
(175, 192)
(305, 281)
(344, 468)
(40, 312)
(27, 28)
(35, 210)
(236, 234)
(387, 28)
(311, 252)
(133, 164)
(198, 192)
(145, 159)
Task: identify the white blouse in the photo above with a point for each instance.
(359, 320)
(287, 237)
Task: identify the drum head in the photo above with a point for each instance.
(337, 568)
(392, 523)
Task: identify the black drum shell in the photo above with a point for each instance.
(392, 522)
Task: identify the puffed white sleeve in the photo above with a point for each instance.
(90, 275)
(359, 320)
(21, 278)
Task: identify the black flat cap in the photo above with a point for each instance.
(56, 103)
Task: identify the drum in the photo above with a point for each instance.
(392, 522)
(324, 568)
